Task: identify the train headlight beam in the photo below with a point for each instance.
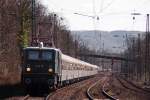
(50, 70)
(28, 69)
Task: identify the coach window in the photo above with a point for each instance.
(91, 68)
(81, 67)
(78, 68)
(88, 68)
(67, 66)
(62, 63)
(74, 67)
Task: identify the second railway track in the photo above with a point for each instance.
(124, 90)
(128, 85)
(97, 91)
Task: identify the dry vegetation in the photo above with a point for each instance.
(138, 49)
(16, 32)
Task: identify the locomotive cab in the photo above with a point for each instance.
(41, 66)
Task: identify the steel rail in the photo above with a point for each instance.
(26, 97)
(106, 94)
(88, 90)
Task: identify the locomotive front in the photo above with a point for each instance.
(39, 67)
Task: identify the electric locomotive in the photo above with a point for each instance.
(40, 69)
(45, 68)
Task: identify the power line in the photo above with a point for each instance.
(94, 10)
(101, 7)
(84, 15)
(143, 4)
(107, 6)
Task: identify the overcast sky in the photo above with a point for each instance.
(113, 14)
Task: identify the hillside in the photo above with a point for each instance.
(112, 39)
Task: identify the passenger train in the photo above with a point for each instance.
(45, 67)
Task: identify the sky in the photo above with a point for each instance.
(113, 14)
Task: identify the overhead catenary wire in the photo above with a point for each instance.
(107, 6)
(94, 14)
(141, 5)
(101, 7)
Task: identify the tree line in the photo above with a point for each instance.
(138, 50)
(16, 21)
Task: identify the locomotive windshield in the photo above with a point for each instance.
(39, 55)
(46, 55)
(33, 55)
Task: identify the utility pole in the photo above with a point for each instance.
(133, 68)
(68, 44)
(139, 66)
(76, 48)
(112, 66)
(147, 47)
(34, 38)
(127, 56)
(54, 31)
(1, 29)
(148, 40)
(103, 58)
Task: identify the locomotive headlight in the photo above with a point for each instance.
(50, 70)
(28, 69)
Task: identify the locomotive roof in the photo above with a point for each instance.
(45, 48)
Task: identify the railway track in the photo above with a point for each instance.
(63, 93)
(108, 95)
(28, 97)
(76, 91)
(72, 92)
(138, 87)
(131, 86)
(124, 83)
(125, 90)
(88, 91)
(102, 94)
